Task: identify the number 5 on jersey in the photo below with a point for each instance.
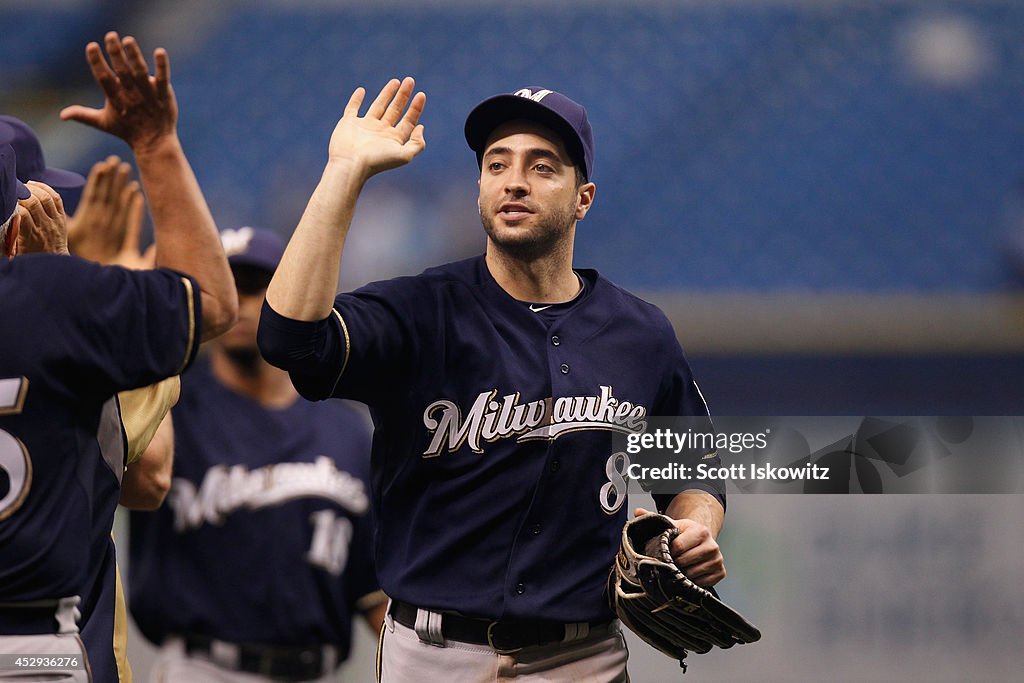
(15, 464)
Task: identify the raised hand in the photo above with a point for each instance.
(305, 282)
(129, 255)
(140, 109)
(107, 225)
(43, 225)
(383, 138)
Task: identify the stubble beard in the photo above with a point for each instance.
(246, 359)
(547, 235)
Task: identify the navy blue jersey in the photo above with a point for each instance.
(98, 618)
(497, 491)
(75, 333)
(285, 491)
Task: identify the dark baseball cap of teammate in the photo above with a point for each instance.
(32, 165)
(11, 189)
(553, 109)
(253, 254)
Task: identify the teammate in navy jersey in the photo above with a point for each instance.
(255, 567)
(495, 384)
(110, 227)
(107, 226)
(77, 333)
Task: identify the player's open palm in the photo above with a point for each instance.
(97, 228)
(387, 136)
(140, 109)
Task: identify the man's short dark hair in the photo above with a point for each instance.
(580, 177)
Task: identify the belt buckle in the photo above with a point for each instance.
(499, 650)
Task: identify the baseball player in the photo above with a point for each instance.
(143, 412)
(495, 384)
(85, 332)
(107, 226)
(256, 565)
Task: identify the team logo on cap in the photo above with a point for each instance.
(236, 241)
(530, 95)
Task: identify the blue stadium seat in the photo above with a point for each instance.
(740, 146)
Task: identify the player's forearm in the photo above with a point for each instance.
(146, 482)
(375, 617)
(698, 506)
(306, 281)
(186, 234)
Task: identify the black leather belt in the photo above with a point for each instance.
(278, 663)
(505, 636)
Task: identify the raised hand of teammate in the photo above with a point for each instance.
(384, 137)
(107, 225)
(140, 109)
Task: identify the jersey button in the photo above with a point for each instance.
(520, 589)
(555, 465)
(565, 368)
(536, 530)
(555, 340)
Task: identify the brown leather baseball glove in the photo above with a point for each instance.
(658, 603)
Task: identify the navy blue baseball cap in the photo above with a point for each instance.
(11, 189)
(556, 111)
(256, 247)
(32, 165)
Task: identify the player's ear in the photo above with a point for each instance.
(10, 245)
(584, 199)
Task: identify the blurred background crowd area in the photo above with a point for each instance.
(826, 196)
